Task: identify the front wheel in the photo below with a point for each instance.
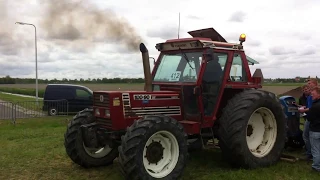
(154, 147)
(76, 149)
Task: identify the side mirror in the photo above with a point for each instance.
(196, 91)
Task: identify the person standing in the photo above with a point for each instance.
(304, 97)
(314, 127)
(312, 83)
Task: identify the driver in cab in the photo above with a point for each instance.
(211, 80)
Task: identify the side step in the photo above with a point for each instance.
(191, 127)
(207, 134)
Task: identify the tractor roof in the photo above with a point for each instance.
(208, 33)
(203, 38)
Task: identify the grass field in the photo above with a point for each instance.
(28, 103)
(33, 149)
(14, 98)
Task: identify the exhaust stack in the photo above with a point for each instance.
(146, 68)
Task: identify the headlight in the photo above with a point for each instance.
(107, 112)
(97, 112)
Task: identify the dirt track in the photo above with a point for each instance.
(279, 89)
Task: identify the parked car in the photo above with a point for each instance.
(62, 98)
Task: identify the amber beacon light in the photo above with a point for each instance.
(242, 38)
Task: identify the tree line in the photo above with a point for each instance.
(9, 80)
(288, 80)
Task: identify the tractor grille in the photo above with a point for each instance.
(97, 100)
(104, 122)
(139, 111)
(104, 97)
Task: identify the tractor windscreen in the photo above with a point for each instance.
(179, 67)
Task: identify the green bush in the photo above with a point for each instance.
(27, 91)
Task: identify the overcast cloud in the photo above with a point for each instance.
(98, 38)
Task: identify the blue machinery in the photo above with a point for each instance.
(294, 133)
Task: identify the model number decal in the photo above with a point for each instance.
(141, 96)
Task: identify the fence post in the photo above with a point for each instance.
(15, 113)
(12, 121)
(67, 107)
(67, 103)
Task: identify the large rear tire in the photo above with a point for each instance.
(252, 130)
(154, 147)
(76, 149)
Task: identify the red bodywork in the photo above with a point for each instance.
(124, 108)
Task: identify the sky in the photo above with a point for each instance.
(100, 38)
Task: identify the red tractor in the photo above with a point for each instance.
(200, 88)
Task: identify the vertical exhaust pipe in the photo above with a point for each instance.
(146, 68)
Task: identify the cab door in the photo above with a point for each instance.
(191, 105)
(212, 81)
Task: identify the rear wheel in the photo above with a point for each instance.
(154, 147)
(252, 130)
(76, 149)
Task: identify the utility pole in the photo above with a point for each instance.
(36, 54)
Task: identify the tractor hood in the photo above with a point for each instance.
(131, 99)
(121, 108)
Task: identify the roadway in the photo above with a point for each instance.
(5, 110)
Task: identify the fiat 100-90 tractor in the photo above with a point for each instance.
(200, 88)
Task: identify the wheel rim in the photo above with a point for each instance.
(160, 154)
(97, 152)
(53, 111)
(261, 132)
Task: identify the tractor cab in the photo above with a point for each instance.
(200, 69)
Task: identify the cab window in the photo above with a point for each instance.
(237, 71)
